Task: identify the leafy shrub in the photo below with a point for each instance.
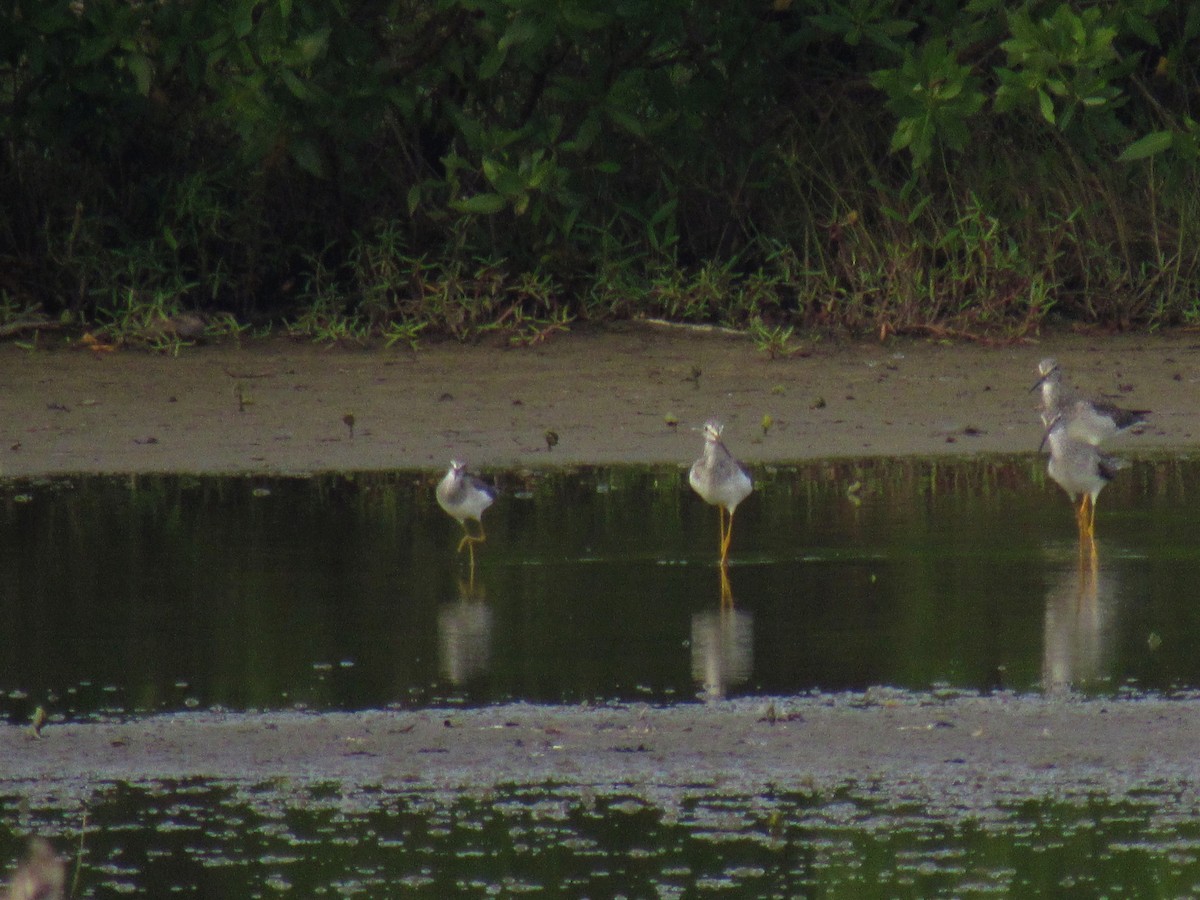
(405, 166)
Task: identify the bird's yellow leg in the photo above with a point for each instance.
(728, 539)
(726, 589)
(1084, 517)
(468, 538)
(1081, 516)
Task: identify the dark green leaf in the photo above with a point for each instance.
(142, 70)
(1143, 28)
(521, 30)
(1150, 145)
(307, 156)
(1046, 105)
(492, 62)
(243, 18)
(295, 86)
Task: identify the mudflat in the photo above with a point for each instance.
(627, 395)
(971, 751)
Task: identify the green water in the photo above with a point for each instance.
(162, 593)
(134, 596)
(203, 839)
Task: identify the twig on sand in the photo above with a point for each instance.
(692, 326)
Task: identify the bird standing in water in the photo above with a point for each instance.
(720, 480)
(465, 498)
(1081, 470)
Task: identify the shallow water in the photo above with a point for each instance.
(146, 594)
(138, 595)
(215, 840)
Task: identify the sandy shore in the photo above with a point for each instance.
(279, 406)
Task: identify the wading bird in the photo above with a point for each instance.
(465, 497)
(720, 480)
(1081, 470)
(1088, 420)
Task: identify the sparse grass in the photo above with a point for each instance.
(142, 317)
(404, 333)
(525, 330)
(382, 293)
(774, 341)
(223, 326)
(324, 323)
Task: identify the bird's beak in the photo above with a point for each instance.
(1039, 383)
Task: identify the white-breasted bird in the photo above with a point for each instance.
(1087, 419)
(1081, 469)
(464, 497)
(720, 480)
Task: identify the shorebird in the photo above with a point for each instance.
(465, 497)
(1088, 420)
(1081, 470)
(720, 480)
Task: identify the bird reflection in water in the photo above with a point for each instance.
(722, 644)
(465, 634)
(41, 875)
(1077, 632)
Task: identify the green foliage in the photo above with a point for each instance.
(933, 97)
(775, 341)
(864, 21)
(402, 168)
(1065, 64)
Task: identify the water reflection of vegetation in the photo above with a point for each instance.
(162, 592)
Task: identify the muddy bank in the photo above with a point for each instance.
(966, 750)
(609, 396)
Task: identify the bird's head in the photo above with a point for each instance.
(1047, 370)
(712, 430)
